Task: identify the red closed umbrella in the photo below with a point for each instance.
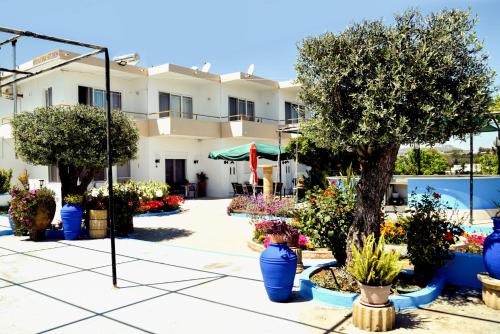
(254, 179)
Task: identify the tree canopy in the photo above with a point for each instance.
(74, 139)
(431, 162)
(420, 80)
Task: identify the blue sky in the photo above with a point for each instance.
(229, 34)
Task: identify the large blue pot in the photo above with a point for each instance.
(278, 264)
(491, 250)
(71, 216)
(11, 223)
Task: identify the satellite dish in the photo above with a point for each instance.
(251, 69)
(194, 68)
(206, 67)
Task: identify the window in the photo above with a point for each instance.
(54, 174)
(293, 112)
(240, 109)
(123, 172)
(182, 106)
(48, 97)
(97, 97)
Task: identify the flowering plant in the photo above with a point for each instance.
(262, 205)
(394, 231)
(429, 232)
(168, 203)
(473, 243)
(151, 190)
(24, 205)
(262, 229)
(97, 199)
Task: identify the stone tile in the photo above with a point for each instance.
(251, 295)
(96, 325)
(23, 244)
(4, 284)
(79, 257)
(5, 252)
(24, 311)
(151, 273)
(22, 268)
(93, 291)
(179, 314)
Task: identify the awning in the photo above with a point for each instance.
(242, 153)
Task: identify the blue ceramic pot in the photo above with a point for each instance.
(71, 216)
(491, 250)
(11, 223)
(278, 264)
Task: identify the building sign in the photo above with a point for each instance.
(46, 57)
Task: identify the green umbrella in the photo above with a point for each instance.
(489, 128)
(242, 152)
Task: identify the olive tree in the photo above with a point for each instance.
(374, 87)
(74, 139)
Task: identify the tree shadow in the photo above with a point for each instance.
(456, 296)
(160, 233)
(408, 320)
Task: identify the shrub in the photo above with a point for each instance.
(260, 235)
(125, 204)
(5, 176)
(96, 199)
(326, 216)
(430, 234)
(151, 190)
(372, 265)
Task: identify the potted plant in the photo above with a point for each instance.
(278, 263)
(32, 211)
(97, 204)
(71, 216)
(374, 268)
(202, 184)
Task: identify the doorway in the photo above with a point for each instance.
(175, 172)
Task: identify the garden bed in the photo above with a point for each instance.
(341, 299)
(259, 215)
(306, 254)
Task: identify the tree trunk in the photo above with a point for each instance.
(74, 181)
(377, 168)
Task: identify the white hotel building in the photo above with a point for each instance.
(182, 114)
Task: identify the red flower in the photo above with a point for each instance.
(333, 182)
(436, 195)
(449, 236)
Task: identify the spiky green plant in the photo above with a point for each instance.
(372, 265)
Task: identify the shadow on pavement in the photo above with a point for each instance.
(160, 233)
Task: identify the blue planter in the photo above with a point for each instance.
(491, 250)
(278, 264)
(71, 216)
(462, 270)
(11, 223)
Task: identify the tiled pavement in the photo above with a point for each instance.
(65, 287)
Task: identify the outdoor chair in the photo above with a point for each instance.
(238, 189)
(190, 190)
(277, 188)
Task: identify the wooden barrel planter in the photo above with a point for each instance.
(98, 224)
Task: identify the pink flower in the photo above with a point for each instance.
(303, 240)
(267, 241)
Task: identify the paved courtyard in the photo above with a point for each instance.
(180, 283)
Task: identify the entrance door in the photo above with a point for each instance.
(175, 171)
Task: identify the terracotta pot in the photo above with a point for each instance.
(375, 295)
(41, 222)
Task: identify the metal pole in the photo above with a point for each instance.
(111, 221)
(279, 160)
(471, 179)
(14, 84)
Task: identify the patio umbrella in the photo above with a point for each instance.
(242, 152)
(254, 179)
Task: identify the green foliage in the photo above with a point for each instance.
(74, 139)
(326, 216)
(421, 79)
(74, 135)
(149, 190)
(489, 163)
(73, 199)
(431, 162)
(430, 233)
(323, 162)
(395, 231)
(125, 204)
(372, 265)
(5, 177)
